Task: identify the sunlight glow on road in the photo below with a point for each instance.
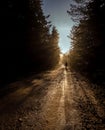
(61, 108)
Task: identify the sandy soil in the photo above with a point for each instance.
(55, 100)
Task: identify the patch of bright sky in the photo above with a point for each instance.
(59, 18)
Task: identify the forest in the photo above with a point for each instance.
(28, 43)
(87, 55)
(42, 88)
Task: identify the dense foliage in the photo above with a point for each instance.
(26, 44)
(88, 40)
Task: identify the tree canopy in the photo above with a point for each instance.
(26, 45)
(88, 41)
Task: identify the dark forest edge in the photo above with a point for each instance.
(27, 43)
(87, 55)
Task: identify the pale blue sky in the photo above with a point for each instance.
(59, 18)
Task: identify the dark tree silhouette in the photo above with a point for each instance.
(88, 41)
(26, 45)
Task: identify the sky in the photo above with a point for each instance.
(59, 18)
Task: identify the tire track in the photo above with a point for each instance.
(91, 112)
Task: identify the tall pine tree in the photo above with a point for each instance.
(88, 39)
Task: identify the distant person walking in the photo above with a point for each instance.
(66, 65)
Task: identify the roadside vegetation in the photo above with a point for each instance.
(29, 42)
(88, 40)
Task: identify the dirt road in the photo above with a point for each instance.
(56, 100)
